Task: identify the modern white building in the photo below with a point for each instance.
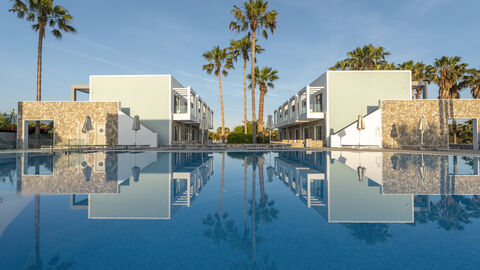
(327, 109)
(173, 112)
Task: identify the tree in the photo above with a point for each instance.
(43, 14)
(243, 47)
(418, 73)
(447, 73)
(264, 78)
(252, 17)
(472, 80)
(368, 57)
(218, 64)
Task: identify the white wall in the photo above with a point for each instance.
(126, 136)
(127, 161)
(370, 136)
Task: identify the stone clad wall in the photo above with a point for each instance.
(67, 116)
(400, 120)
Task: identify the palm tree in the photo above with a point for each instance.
(473, 81)
(418, 73)
(218, 63)
(264, 78)
(447, 73)
(243, 47)
(368, 57)
(252, 17)
(43, 14)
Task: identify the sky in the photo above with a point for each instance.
(169, 37)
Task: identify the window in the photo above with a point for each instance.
(176, 135)
(306, 133)
(186, 134)
(297, 134)
(318, 103)
(318, 134)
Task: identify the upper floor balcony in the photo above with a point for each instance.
(307, 104)
(188, 107)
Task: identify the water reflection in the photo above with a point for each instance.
(362, 194)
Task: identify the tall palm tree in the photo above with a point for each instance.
(218, 64)
(447, 73)
(473, 81)
(43, 14)
(264, 78)
(252, 17)
(243, 47)
(418, 73)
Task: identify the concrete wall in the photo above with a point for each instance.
(351, 93)
(67, 117)
(126, 136)
(149, 97)
(400, 119)
(370, 136)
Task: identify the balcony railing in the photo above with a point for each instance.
(182, 108)
(316, 108)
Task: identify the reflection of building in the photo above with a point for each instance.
(158, 190)
(430, 174)
(132, 185)
(343, 187)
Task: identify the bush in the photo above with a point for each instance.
(234, 137)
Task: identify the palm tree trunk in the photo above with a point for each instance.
(454, 127)
(41, 34)
(261, 178)
(254, 118)
(221, 106)
(260, 110)
(418, 93)
(221, 186)
(245, 95)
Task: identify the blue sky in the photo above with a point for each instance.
(169, 37)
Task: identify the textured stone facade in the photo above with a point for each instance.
(67, 117)
(426, 175)
(400, 119)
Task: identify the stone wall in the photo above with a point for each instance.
(67, 117)
(400, 119)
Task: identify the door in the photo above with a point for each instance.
(100, 134)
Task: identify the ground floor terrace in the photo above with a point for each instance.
(188, 133)
(308, 133)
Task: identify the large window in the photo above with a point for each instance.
(318, 106)
(318, 131)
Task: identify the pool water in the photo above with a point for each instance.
(256, 210)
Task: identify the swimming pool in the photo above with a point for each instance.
(235, 210)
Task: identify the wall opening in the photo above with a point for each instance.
(45, 136)
(462, 133)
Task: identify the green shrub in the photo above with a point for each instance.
(234, 137)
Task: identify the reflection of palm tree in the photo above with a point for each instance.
(371, 233)
(245, 192)
(261, 178)
(450, 212)
(221, 184)
(254, 178)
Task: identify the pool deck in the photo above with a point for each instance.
(250, 148)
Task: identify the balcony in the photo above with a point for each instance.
(190, 108)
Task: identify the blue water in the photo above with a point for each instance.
(291, 210)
